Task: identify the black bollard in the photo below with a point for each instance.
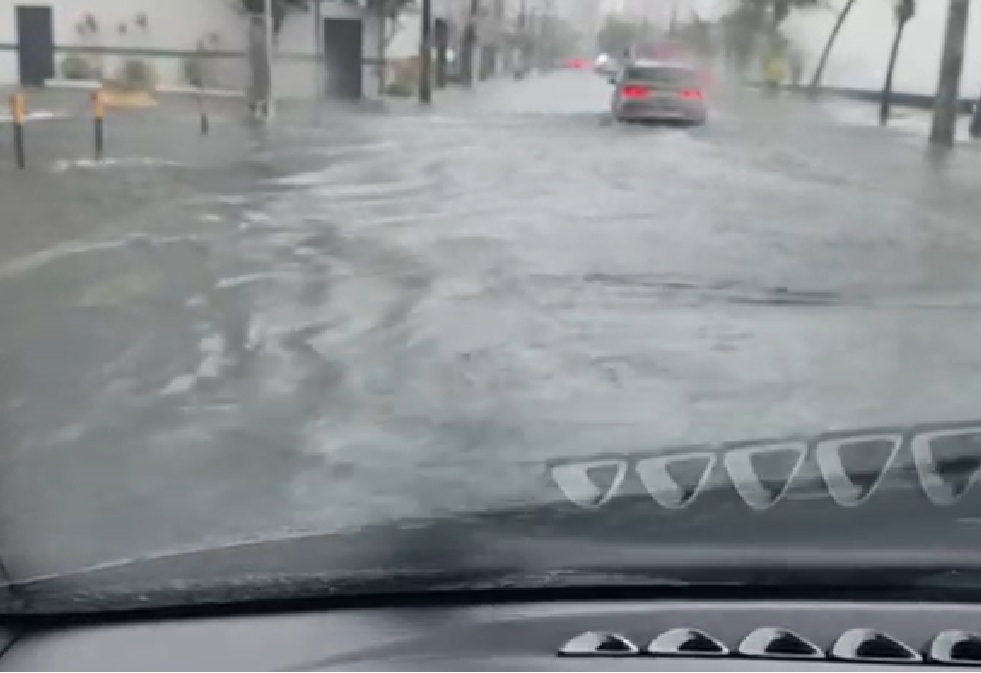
(18, 112)
(99, 138)
(19, 145)
(98, 114)
(205, 121)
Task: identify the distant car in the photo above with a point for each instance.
(658, 91)
(604, 65)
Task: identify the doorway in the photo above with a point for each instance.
(35, 45)
(342, 55)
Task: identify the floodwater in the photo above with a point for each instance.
(364, 316)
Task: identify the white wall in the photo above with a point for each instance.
(296, 78)
(177, 25)
(174, 25)
(8, 67)
(408, 35)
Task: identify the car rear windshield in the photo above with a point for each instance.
(669, 77)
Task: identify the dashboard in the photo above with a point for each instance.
(560, 636)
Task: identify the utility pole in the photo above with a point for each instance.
(548, 39)
(318, 36)
(947, 102)
(523, 40)
(426, 54)
(499, 33)
(270, 45)
(382, 30)
(469, 44)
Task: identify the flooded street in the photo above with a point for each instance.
(361, 316)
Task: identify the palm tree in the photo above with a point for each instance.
(750, 20)
(823, 62)
(905, 9)
(947, 100)
(279, 9)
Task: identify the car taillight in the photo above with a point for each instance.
(635, 92)
(691, 94)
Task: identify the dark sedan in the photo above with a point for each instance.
(657, 91)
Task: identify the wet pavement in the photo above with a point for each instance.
(359, 316)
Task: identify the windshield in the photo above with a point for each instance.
(667, 77)
(279, 298)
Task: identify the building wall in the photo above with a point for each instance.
(174, 30)
(173, 27)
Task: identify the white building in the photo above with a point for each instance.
(39, 37)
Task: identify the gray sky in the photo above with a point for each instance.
(862, 50)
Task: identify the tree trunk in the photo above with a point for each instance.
(946, 103)
(885, 104)
(823, 62)
(467, 57)
(976, 121)
(426, 54)
(260, 80)
(442, 40)
(382, 49)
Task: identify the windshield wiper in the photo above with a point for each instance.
(65, 599)
(66, 596)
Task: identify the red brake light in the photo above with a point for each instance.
(635, 92)
(691, 94)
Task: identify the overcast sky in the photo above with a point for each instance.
(862, 50)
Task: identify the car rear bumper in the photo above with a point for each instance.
(661, 112)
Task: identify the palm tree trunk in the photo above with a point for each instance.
(976, 121)
(947, 102)
(823, 62)
(885, 104)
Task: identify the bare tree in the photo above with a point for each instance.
(905, 10)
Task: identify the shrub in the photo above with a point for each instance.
(77, 68)
(138, 75)
(400, 90)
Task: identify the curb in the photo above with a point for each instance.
(92, 85)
